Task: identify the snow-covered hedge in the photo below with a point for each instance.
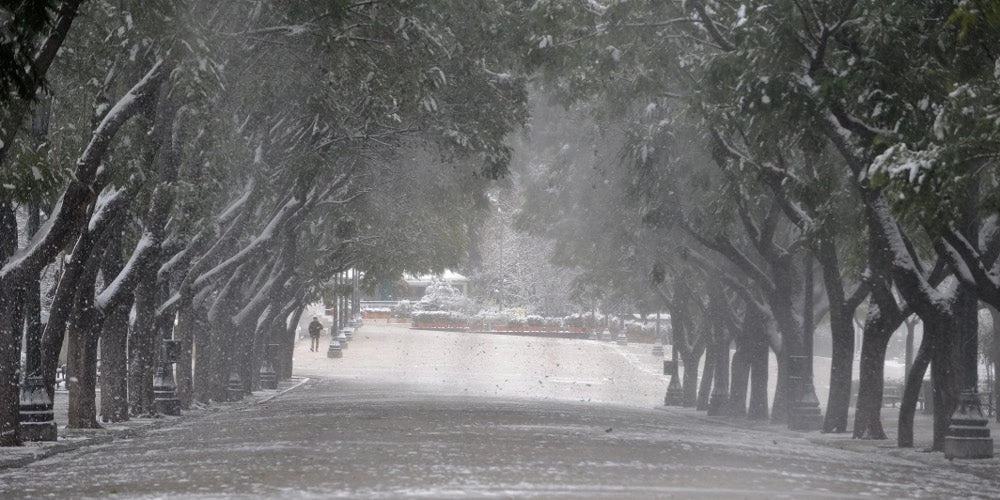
(441, 296)
(403, 309)
(583, 320)
(439, 317)
(494, 318)
(535, 320)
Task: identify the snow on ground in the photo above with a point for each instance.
(440, 414)
(537, 367)
(472, 364)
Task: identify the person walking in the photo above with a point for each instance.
(315, 328)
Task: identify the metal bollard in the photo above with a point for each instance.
(335, 350)
(267, 376)
(234, 389)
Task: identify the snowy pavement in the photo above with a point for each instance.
(409, 413)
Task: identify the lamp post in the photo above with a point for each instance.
(500, 213)
(658, 342)
(164, 387)
(968, 434)
(37, 417)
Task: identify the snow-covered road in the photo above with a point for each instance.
(436, 414)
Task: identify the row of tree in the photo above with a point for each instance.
(198, 171)
(770, 164)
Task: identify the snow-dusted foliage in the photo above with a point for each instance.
(441, 296)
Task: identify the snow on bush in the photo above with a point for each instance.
(441, 317)
(441, 296)
(584, 320)
(403, 309)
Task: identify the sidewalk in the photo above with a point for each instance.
(73, 439)
(922, 436)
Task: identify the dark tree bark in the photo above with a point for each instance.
(114, 338)
(782, 399)
(720, 384)
(11, 307)
(740, 380)
(141, 356)
(995, 357)
(911, 331)
(842, 332)
(689, 379)
(184, 333)
(911, 392)
(707, 374)
(884, 316)
(287, 342)
(868, 416)
(759, 354)
(33, 307)
(201, 375)
(84, 331)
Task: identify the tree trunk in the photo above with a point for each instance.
(288, 344)
(911, 392)
(141, 343)
(868, 416)
(184, 333)
(740, 380)
(720, 386)
(114, 365)
(911, 331)
(10, 334)
(995, 356)
(707, 374)
(81, 367)
(33, 307)
(842, 334)
(782, 400)
(114, 340)
(759, 359)
(201, 378)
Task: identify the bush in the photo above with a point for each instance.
(441, 296)
(440, 317)
(403, 309)
(585, 320)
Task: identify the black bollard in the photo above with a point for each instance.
(335, 350)
(37, 419)
(268, 377)
(164, 387)
(234, 389)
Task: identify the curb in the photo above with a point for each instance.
(44, 451)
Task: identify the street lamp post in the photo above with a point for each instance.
(500, 213)
(968, 434)
(164, 386)
(658, 342)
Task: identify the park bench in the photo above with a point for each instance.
(892, 395)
